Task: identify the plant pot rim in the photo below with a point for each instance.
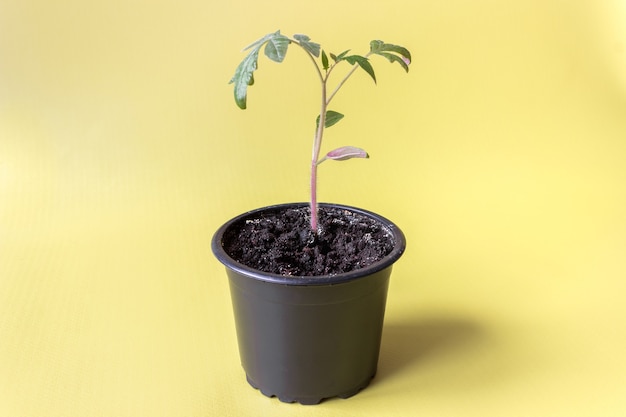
(387, 261)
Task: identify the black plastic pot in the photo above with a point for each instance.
(304, 339)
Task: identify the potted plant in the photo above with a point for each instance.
(309, 281)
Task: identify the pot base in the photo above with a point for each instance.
(311, 400)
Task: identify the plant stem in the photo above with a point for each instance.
(319, 133)
(317, 146)
(317, 142)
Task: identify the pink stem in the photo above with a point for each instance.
(314, 196)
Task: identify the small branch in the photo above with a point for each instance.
(354, 68)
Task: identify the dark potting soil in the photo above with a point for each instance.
(283, 243)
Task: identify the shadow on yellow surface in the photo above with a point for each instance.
(413, 343)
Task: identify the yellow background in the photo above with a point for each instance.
(501, 155)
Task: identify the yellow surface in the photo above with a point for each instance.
(501, 155)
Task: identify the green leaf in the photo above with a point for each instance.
(363, 63)
(332, 118)
(243, 77)
(311, 47)
(324, 61)
(275, 49)
(259, 42)
(377, 46)
(394, 53)
(395, 58)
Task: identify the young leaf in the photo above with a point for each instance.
(311, 47)
(324, 61)
(344, 153)
(332, 117)
(363, 63)
(339, 57)
(376, 46)
(243, 76)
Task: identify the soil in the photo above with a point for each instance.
(283, 243)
